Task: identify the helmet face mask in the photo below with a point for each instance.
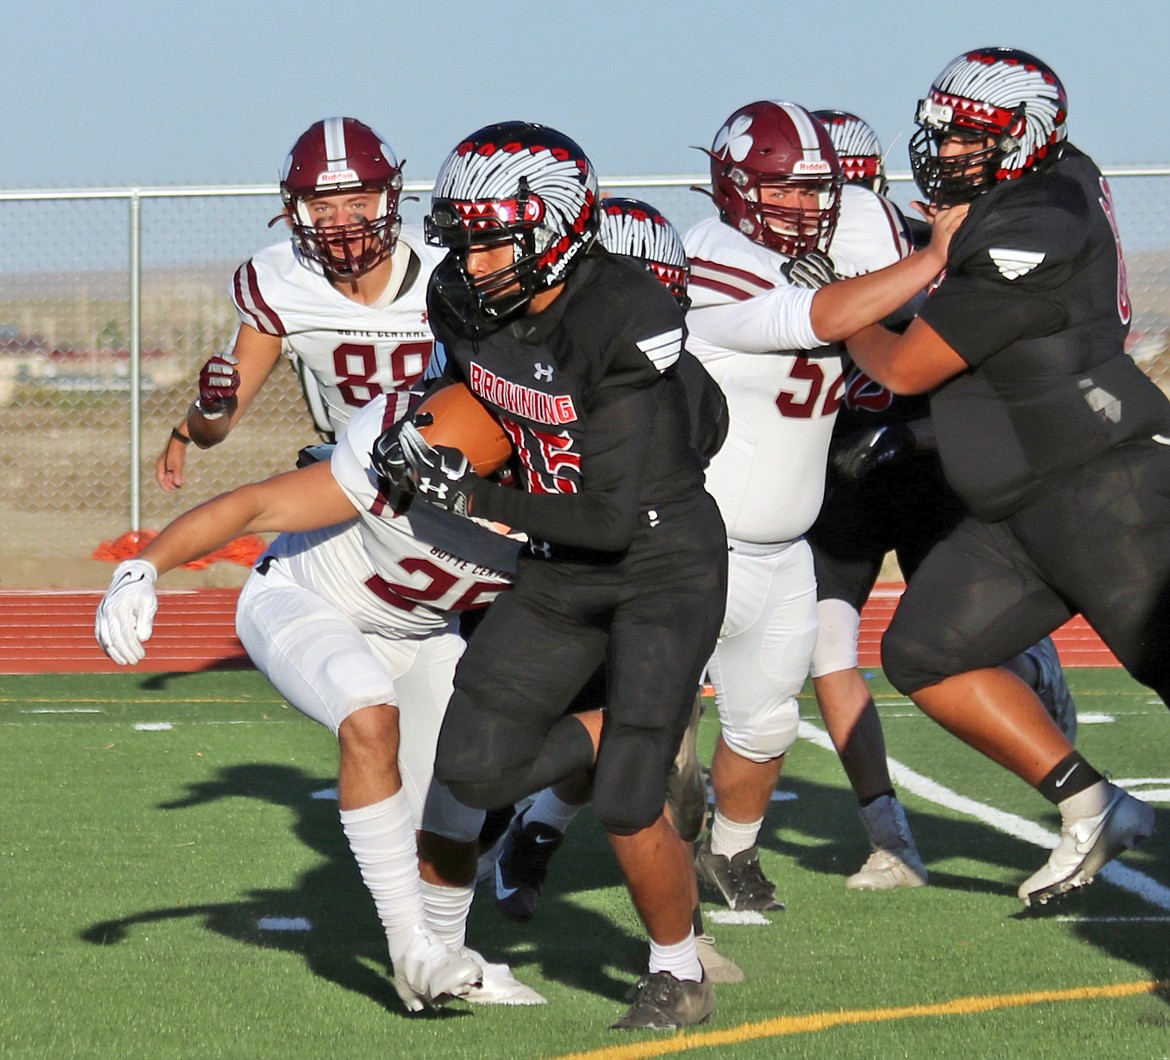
(858, 148)
(332, 159)
(776, 145)
(513, 184)
(635, 228)
(1007, 106)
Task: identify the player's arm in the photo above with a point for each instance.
(261, 353)
(125, 616)
(276, 504)
(841, 309)
(603, 515)
(219, 408)
(911, 363)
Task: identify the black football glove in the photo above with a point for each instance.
(442, 475)
(864, 452)
(812, 270)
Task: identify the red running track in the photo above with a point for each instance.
(51, 631)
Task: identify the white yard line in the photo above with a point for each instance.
(909, 780)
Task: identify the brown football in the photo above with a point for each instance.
(461, 420)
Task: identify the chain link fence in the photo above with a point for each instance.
(110, 301)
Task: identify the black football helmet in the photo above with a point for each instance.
(858, 147)
(1001, 95)
(331, 157)
(513, 183)
(634, 227)
(771, 143)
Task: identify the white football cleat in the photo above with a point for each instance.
(429, 974)
(499, 986)
(895, 861)
(1089, 843)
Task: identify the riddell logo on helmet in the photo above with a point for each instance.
(816, 168)
(342, 176)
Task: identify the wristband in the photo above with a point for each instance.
(179, 436)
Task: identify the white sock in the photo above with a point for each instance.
(548, 809)
(447, 909)
(680, 959)
(1087, 803)
(729, 838)
(383, 842)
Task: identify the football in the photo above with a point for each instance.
(461, 420)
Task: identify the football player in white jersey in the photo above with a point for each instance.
(344, 298)
(764, 327)
(352, 617)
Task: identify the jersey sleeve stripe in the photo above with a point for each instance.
(723, 279)
(899, 233)
(664, 349)
(251, 305)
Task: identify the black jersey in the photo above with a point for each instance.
(590, 395)
(1034, 299)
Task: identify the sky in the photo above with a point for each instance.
(117, 93)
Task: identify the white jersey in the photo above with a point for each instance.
(396, 576)
(350, 352)
(749, 328)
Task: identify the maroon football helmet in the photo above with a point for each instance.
(331, 157)
(770, 144)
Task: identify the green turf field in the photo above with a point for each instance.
(174, 883)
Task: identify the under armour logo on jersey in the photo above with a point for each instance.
(663, 349)
(1013, 264)
(542, 371)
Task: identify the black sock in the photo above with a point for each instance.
(863, 803)
(1071, 775)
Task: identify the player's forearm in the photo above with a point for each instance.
(580, 520)
(842, 309)
(199, 531)
(206, 432)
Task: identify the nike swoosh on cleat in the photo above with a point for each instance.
(501, 890)
(544, 840)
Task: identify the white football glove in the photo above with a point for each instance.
(125, 617)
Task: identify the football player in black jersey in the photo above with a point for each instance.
(576, 352)
(1054, 439)
(884, 492)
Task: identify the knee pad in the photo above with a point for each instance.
(836, 646)
(767, 734)
(910, 667)
(629, 783)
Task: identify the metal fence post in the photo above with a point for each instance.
(135, 395)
